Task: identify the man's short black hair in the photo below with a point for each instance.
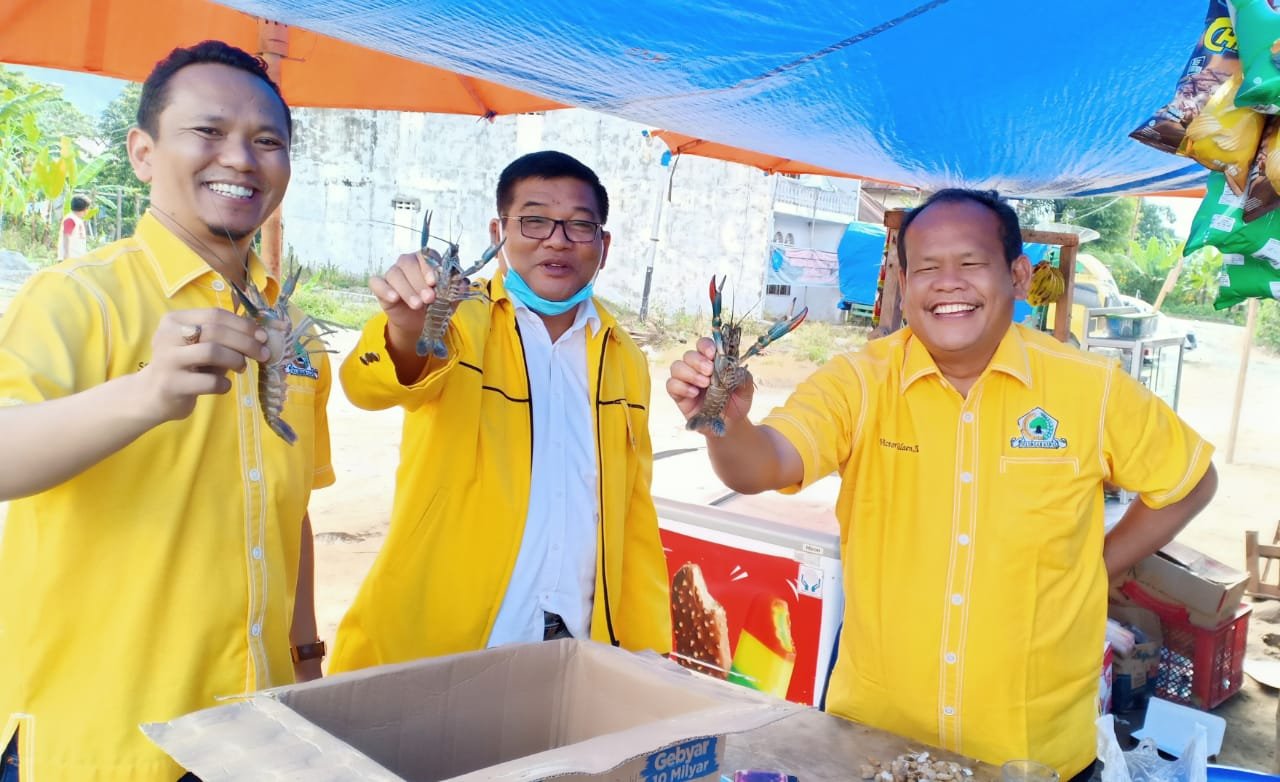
(1010, 231)
(548, 164)
(155, 90)
(79, 203)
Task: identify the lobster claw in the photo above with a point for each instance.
(426, 231)
(776, 331)
(717, 301)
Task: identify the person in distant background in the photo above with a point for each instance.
(73, 239)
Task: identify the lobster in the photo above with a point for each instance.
(286, 343)
(452, 287)
(728, 371)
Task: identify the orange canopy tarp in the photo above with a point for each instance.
(125, 38)
(680, 144)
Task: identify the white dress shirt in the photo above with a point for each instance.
(556, 568)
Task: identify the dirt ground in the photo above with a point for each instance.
(350, 518)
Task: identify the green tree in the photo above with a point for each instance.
(1111, 216)
(1155, 222)
(118, 187)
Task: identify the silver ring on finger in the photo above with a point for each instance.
(191, 334)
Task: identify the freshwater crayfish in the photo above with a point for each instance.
(452, 287)
(289, 344)
(728, 371)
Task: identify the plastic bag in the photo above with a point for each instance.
(1213, 61)
(1144, 764)
(1262, 191)
(1249, 276)
(1223, 137)
(1257, 27)
(1220, 213)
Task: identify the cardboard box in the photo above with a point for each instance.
(1105, 680)
(1210, 590)
(577, 709)
(1134, 674)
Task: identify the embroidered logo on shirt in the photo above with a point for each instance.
(301, 365)
(369, 358)
(1039, 430)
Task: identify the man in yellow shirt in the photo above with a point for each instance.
(522, 508)
(972, 454)
(156, 556)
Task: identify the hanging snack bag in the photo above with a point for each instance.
(1262, 191)
(1212, 62)
(1220, 213)
(1223, 137)
(1248, 277)
(1257, 26)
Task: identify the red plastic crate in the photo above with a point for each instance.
(1198, 667)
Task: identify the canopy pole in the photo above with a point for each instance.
(1251, 325)
(1170, 280)
(273, 47)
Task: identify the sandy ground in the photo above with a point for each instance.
(350, 518)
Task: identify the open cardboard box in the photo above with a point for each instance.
(1210, 590)
(573, 709)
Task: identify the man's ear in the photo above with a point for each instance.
(495, 236)
(604, 252)
(140, 146)
(1021, 271)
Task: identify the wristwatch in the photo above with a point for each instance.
(312, 651)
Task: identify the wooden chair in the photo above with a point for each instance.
(1258, 558)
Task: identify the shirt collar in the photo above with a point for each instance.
(1010, 358)
(177, 265)
(588, 315)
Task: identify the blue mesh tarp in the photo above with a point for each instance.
(1032, 98)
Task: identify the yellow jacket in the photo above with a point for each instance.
(462, 492)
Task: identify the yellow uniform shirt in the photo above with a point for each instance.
(163, 577)
(972, 532)
(462, 491)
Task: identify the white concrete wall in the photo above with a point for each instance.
(348, 166)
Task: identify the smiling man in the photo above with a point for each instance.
(157, 553)
(971, 453)
(522, 508)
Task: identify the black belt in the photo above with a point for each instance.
(553, 627)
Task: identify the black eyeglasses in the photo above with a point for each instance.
(534, 227)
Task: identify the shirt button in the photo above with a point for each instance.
(967, 418)
(254, 474)
(255, 630)
(950, 712)
(257, 552)
(963, 540)
(957, 599)
(219, 285)
(951, 658)
(966, 477)
(248, 400)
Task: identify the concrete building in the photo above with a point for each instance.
(361, 180)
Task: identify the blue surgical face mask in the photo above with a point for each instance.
(519, 290)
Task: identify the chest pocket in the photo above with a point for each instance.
(1044, 516)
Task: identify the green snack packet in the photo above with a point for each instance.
(1249, 277)
(1220, 213)
(1257, 27)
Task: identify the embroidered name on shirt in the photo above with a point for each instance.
(1038, 430)
(899, 446)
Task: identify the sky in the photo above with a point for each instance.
(85, 91)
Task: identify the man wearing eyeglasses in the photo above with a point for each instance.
(522, 508)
